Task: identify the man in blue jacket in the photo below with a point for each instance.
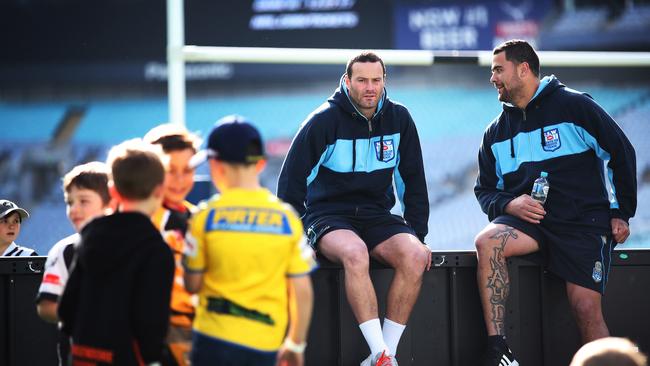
(339, 176)
(548, 127)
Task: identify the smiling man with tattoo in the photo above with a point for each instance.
(547, 127)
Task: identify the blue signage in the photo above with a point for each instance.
(470, 25)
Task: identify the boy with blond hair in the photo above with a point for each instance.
(115, 305)
(85, 191)
(249, 261)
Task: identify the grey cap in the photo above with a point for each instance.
(7, 207)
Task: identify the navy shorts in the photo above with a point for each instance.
(209, 351)
(373, 228)
(579, 257)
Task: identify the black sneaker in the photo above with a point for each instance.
(499, 354)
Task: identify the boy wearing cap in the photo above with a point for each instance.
(249, 261)
(115, 306)
(11, 216)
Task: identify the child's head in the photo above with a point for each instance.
(180, 146)
(137, 173)
(11, 216)
(85, 190)
(235, 149)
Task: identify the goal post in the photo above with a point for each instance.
(178, 54)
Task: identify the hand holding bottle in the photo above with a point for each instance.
(526, 208)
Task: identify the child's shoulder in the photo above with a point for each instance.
(62, 244)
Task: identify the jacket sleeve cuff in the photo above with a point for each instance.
(500, 206)
(617, 214)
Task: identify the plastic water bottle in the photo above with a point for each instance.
(540, 188)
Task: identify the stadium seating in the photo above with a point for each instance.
(581, 20)
(450, 139)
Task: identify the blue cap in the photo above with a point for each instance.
(233, 139)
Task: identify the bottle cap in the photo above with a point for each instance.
(544, 174)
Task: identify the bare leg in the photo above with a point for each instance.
(493, 246)
(587, 309)
(345, 247)
(409, 257)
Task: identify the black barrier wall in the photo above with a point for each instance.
(25, 340)
(446, 327)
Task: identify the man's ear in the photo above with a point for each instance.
(347, 80)
(523, 69)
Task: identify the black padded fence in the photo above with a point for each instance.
(446, 327)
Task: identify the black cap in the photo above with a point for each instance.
(7, 207)
(233, 139)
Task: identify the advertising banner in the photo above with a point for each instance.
(466, 25)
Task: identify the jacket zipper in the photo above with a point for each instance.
(530, 143)
(370, 149)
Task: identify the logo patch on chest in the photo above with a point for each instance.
(552, 140)
(388, 150)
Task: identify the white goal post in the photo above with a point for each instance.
(178, 54)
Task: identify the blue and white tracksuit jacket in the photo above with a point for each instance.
(340, 162)
(567, 134)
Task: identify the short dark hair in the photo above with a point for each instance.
(365, 56)
(173, 137)
(137, 168)
(519, 51)
(93, 176)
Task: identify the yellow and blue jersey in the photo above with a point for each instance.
(246, 243)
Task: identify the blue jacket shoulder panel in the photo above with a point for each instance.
(340, 160)
(567, 134)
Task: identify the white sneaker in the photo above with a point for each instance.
(380, 359)
(366, 362)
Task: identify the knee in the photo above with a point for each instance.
(585, 308)
(484, 244)
(356, 258)
(413, 260)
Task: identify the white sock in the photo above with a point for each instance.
(392, 333)
(371, 331)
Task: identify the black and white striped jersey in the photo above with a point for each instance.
(15, 250)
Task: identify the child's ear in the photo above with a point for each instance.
(112, 206)
(115, 195)
(159, 191)
(260, 165)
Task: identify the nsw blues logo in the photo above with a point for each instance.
(597, 273)
(388, 148)
(552, 140)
